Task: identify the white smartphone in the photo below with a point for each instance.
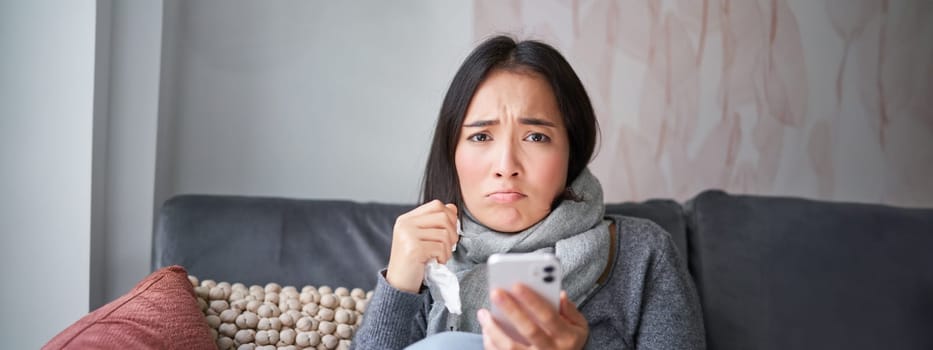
(539, 271)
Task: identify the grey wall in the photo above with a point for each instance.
(46, 132)
(295, 99)
(311, 99)
(131, 99)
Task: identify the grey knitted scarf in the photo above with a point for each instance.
(574, 231)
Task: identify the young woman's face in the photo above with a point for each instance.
(513, 151)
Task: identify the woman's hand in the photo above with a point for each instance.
(535, 319)
(426, 232)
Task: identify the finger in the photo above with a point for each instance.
(483, 318)
(454, 220)
(440, 219)
(523, 322)
(424, 251)
(487, 343)
(431, 206)
(452, 210)
(432, 235)
(405, 219)
(546, 315)
(436, 250)
(498, 339)
(569, 311)
(435, 220)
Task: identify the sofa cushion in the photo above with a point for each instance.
(161, 312)
(256, 240)
(788, 273)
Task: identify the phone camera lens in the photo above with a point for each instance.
(548, 279)
(549, 269)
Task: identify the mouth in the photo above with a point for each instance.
(505, 196)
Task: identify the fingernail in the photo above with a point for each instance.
(519, 289)
(481, 315)
(496, 295)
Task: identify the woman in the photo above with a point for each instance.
(508, 160)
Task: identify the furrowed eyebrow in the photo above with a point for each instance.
(536, 121)
(525, 121)
(481, 123)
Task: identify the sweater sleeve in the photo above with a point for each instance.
(393, 319)
(671, 316)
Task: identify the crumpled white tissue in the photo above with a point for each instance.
(443, 283)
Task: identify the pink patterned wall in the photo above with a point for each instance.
(829, 99)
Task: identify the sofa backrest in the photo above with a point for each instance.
(789, 273)
(255, 240)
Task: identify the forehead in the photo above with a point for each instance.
(505, 94)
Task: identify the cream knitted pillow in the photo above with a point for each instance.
(273, 317)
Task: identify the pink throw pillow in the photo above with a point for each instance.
(161, 312)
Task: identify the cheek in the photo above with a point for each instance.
(468, 168)
(552, 174)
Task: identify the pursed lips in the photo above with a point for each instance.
(505, 196)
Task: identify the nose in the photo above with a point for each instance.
(507, 164)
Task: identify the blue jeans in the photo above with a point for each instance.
(449, 341)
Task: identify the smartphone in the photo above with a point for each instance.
(539, 271)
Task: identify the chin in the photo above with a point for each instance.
(509, 223)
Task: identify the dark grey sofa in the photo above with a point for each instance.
(772, 272)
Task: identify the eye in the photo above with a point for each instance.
(537, 137)
(479, 137)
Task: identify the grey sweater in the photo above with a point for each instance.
(648, 301)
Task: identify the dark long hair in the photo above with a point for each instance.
(504, 53)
